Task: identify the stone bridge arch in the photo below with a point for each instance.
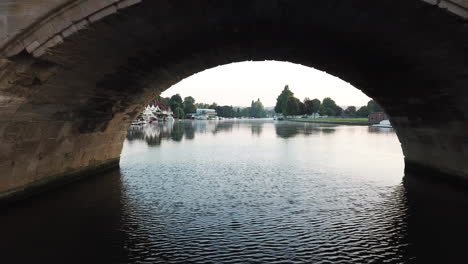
(72, 81)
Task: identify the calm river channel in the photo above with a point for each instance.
(245, 191)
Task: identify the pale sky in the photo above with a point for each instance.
(237, 84)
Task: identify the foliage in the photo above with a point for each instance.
(373, 106)
(330, 107)
(245, 112)
(316, 105)
(282, 100)
(176, 102)
(350, 111)
(189, 105)
(202, 105)
(226, 111)
(179, 113)
(213, 105)
(292, 106)
(322, 110)
(164, 100)
(286, 104)
(311, 106)
(257, 110)
(362, 112)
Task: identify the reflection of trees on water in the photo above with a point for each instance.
(189, 130)
(256, 128)
(288, 130)
(222, 127)
(177, 131)
(327, 130)
(381, 130)
(155, 133)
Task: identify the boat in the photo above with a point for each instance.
(384, 124)
(278, 117)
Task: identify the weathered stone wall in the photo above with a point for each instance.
(17, 15)
(66, 99)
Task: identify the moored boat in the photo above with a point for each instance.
(384, 123)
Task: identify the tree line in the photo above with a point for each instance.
(288, 105)
(180, 107)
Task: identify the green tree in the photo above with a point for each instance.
(202, 105)
(179, 113)
(316, 105)
(225, 111)
(213, 106)
(331, 109)
(373, 106)
(301, 106)
(311, 106)
(362, 112)
(189, 105)
(307, 106)
(164, 100)
(282, 100)
(245, 112)
(322, 110)
(292, 106)
(176, 102)
(350, 111)
(257, 109)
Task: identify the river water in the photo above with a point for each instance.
(253, 191)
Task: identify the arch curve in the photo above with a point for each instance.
(67, 99)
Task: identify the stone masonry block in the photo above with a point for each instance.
(103, 13)
(69, 31)
(127, 3)
(88, 8)
(57, 39)
(34, 45)
(462, 3)
(455, 8)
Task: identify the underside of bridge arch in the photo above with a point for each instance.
(66, 107)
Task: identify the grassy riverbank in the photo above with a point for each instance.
(341, 121)
(335, 119)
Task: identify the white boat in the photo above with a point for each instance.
(384, 123)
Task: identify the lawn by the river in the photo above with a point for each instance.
(350, 120)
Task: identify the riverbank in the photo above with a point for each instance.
(335, 121)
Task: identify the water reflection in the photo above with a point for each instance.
(222, 193)
(155, 133)
(101, 220)
(289, 129)
(381, 130)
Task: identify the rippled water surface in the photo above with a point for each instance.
(245, 192)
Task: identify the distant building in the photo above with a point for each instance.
(376, 117)
(162, 109)
(205, 114)
(315, 115)
(157, 111)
